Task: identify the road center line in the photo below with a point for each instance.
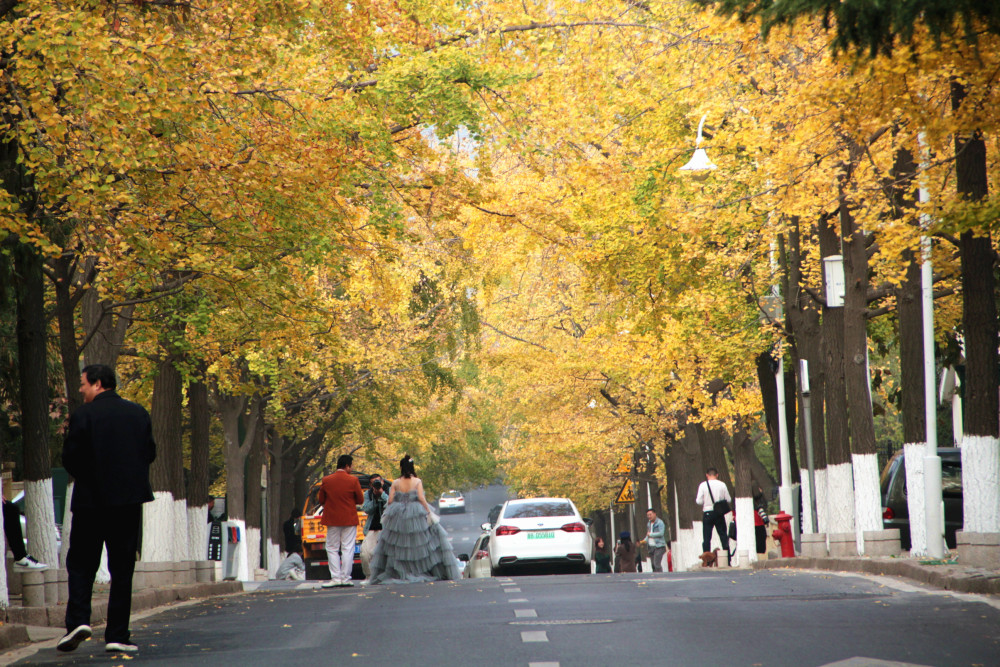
(512, 590)
(534, 636)
(525, 613)
(518, 600)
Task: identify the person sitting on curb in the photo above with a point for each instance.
(293, 568)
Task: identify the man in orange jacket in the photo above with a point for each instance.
(340, 494)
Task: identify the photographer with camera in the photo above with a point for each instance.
(375, 501)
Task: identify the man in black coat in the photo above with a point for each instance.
(108, 449)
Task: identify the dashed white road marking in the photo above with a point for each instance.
(534, 636)
(543, 664)
(518, 600)
(525, 613)
(512, 590)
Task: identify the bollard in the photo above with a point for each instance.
(140, 576)
(62, 586)
(33, 588)
(204, 571)
(51, 585)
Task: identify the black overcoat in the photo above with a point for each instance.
(108, 449)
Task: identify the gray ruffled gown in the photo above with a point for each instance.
(409, 550)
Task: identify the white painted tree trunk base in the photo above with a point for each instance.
(822, 509)
(840, 497)
(807, 522)
(687, 548)
(273, 558)
(197, 525)
(158, 528)
(913, 458)
(253, 552)
(745, 532)
(40, 532)
(103, 575)
(981, 484)
(867, 496)
(181, 545)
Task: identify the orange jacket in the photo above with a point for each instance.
(340, 494)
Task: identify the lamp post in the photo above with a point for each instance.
(933, 511)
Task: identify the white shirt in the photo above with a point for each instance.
(719, 490)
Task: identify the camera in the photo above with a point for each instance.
(377, 485)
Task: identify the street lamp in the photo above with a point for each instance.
(699, 165)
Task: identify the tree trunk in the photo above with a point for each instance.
(867, 496)
(803, 319)
(839, 472)
(69, 351)
(159, 535)
(690, 472)
(713, 452)
(255, 461)
(32, 366)
(766, 369)
(105, 330)
(981, 397)
(239, 429)
(910, 315)
(197, 488)
(743, 495)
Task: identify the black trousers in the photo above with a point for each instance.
(12, 530)
(709, 521)
(118, 529)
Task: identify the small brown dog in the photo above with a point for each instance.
(710, 558)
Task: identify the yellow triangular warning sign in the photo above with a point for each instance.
(627, 494)
(625, 465)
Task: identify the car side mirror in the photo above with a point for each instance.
(486, 526)
(463, 557)
(588, 521)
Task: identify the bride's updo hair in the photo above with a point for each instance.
(406, 468)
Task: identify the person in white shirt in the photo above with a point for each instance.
(710, 492)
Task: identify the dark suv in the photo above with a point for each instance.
(895, 512)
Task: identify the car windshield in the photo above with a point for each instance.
(951, 478)
(531, 509)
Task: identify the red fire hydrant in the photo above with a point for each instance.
(783, 534)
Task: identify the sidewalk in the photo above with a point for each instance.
(23, 625)
(946, 575)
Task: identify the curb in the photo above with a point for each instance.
(14, 630)
(948, 577)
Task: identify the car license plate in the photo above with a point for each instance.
(542, 535)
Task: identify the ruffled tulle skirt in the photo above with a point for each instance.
(409, 550)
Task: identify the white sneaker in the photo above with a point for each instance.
(330, 584)
(29, 563)
(121, 647)
(74, 638)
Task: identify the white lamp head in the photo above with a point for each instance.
(699, 165)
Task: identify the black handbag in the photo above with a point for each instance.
(720, 507)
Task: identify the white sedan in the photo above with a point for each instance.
(478, 566)
(540, 531)
(451, 501)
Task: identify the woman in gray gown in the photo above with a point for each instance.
(413, 546)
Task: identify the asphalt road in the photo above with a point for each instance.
(464, 528)
(767, 618)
